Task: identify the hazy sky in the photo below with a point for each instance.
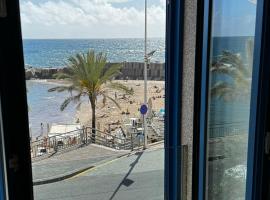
(234, 17)
(91, 18)
(123, 18)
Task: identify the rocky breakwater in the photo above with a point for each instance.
(41, 73)
(129, 71)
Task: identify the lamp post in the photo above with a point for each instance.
(146, 62)
(145, 73)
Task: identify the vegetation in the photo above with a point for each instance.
(231, 77)
(90, 75)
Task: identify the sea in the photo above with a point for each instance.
(54, 53)
(44, 106)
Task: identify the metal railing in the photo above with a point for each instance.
(228, 129)
(58, 142)
(77, 138)
(105, 139)
(50, 145)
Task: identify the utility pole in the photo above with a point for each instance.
(145, 74)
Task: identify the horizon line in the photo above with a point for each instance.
(92, 38)
(124, 38)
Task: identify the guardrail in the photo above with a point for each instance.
(63, 141)
(77, 138)
(58, 142)
(228, 129)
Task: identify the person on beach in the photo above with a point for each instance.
(41, 129)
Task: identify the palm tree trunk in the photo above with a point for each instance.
(93, 107)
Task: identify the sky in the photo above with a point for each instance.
(123, 18)
(234, 17)
(53, 19)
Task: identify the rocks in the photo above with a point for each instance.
(130, 71)
(41, 73)
(29, 73)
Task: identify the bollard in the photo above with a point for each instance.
(131, 142)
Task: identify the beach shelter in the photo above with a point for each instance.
(71, 130)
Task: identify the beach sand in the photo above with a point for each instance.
(111, 114)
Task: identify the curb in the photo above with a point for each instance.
(59, 152)
(72, 173)
(149, 145)
(60, 177)
(156, 143)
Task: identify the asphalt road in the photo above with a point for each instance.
(136, 177)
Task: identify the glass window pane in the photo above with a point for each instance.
(230, 69)
(91, 65)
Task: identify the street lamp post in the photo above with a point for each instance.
(145, 74)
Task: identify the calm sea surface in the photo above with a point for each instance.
(54, 53)
(44, 106)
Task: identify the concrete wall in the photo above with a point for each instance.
(188, 87)
(130, 70)
(134, 71)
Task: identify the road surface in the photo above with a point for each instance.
(138, 176)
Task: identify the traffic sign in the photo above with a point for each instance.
(143, 109)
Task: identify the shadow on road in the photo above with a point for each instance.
(125, 181)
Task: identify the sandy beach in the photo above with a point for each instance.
(108, 115)
(111, 114)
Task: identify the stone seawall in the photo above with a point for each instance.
(130, 70)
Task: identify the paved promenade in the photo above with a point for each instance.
(61, 164)
(131, 177)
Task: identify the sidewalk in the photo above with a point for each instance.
(64, 165)
(139, 175)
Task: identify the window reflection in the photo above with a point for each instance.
(230, 69)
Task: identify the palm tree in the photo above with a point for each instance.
(234, 75)
(90, 75)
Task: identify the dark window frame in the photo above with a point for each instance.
(197, 100)
(14, 104)
(260, 96)
(173, 85)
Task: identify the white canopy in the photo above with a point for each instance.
(67, 129)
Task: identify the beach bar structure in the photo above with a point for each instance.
(68, 129)
(59, 136)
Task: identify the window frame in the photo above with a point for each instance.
(20, 182)
(173, 93)
(197, 96)
(260, 98)
(258, 103)
(3, 170)
(14, 109)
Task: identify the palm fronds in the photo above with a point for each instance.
(88, 75)
(235, 73)
(62, 88)
(75, 99)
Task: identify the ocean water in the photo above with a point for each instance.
(232, 44)
(44, 106)
(54, 53)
